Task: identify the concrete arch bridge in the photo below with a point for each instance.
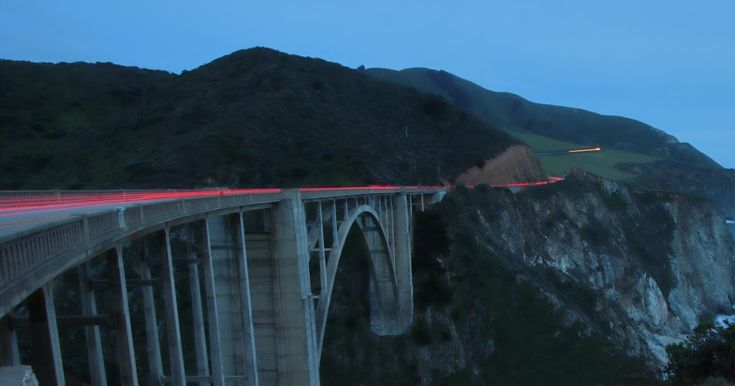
(216, 287)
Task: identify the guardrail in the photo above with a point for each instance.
(14, 199)
(23, 252)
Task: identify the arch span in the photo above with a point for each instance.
(385, 310)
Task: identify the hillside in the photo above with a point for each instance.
(256, 117)
(512, 112)
(577, 283)
(583, 282)
(46, 107)
(634, 152)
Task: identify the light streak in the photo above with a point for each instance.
(586, 150)
(79, 200)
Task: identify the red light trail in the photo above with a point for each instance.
(17, 204)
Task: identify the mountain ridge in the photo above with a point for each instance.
(666, 159)
(256, 117)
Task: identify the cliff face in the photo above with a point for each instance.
(543, 286)
(657, 263)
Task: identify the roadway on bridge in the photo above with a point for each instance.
(19, 214)
(21, 219)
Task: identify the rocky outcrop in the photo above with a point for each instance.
(541, 286)
(660, 262)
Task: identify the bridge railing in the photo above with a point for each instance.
(23, 252)
(35, 197)
(19, 198)
(37, 252)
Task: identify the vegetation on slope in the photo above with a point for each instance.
(256, 117)
(606, 163)
(634, 152)
(706, 358)
(46, 107)
(510, 111)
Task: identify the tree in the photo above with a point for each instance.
(705, 356)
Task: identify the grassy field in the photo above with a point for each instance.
(603, 163)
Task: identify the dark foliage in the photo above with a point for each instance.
(708, 353)
(256, 117)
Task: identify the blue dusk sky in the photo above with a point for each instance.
(669, 63)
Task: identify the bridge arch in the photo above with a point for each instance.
(385, 312)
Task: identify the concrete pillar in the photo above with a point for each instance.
(9, 355)
(246, 304)
(402, 250)
(121, 318)
(200, 340)
(261, 270)
(231, 294)
(173, 329)
(215, 343)
(153, 343)
(322, 253)
(294, 311)
(97, 374)
(335, 228)
(46, 350)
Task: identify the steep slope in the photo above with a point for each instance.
(511, 289)
(642, 155)
(256, 117)
(511, 111)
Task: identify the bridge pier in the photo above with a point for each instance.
(9, 354)
(225, 251)
(121, 318)
(46, 359)
(197, 313)
(294, 305)
(152, 339)
(97, 374)
(401, 226)
(173, 328)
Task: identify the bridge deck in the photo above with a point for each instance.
(23, 211)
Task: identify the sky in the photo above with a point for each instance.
(670, 63)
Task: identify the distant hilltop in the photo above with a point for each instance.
(259, 117)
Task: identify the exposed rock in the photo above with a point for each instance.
(17, 376)
(640, 269)
(662, 261)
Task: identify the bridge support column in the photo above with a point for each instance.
(200, 340)
(121, 318)
(247, 305)
(9, 355)
(294, 310)
(46, 350)
(224, 242)
(153, 343)
(173, 329)
(402, 231)
(97, 375)
(215, 342)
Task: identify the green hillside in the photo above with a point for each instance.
(605, 163)
(256, 117)
(634, 152)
